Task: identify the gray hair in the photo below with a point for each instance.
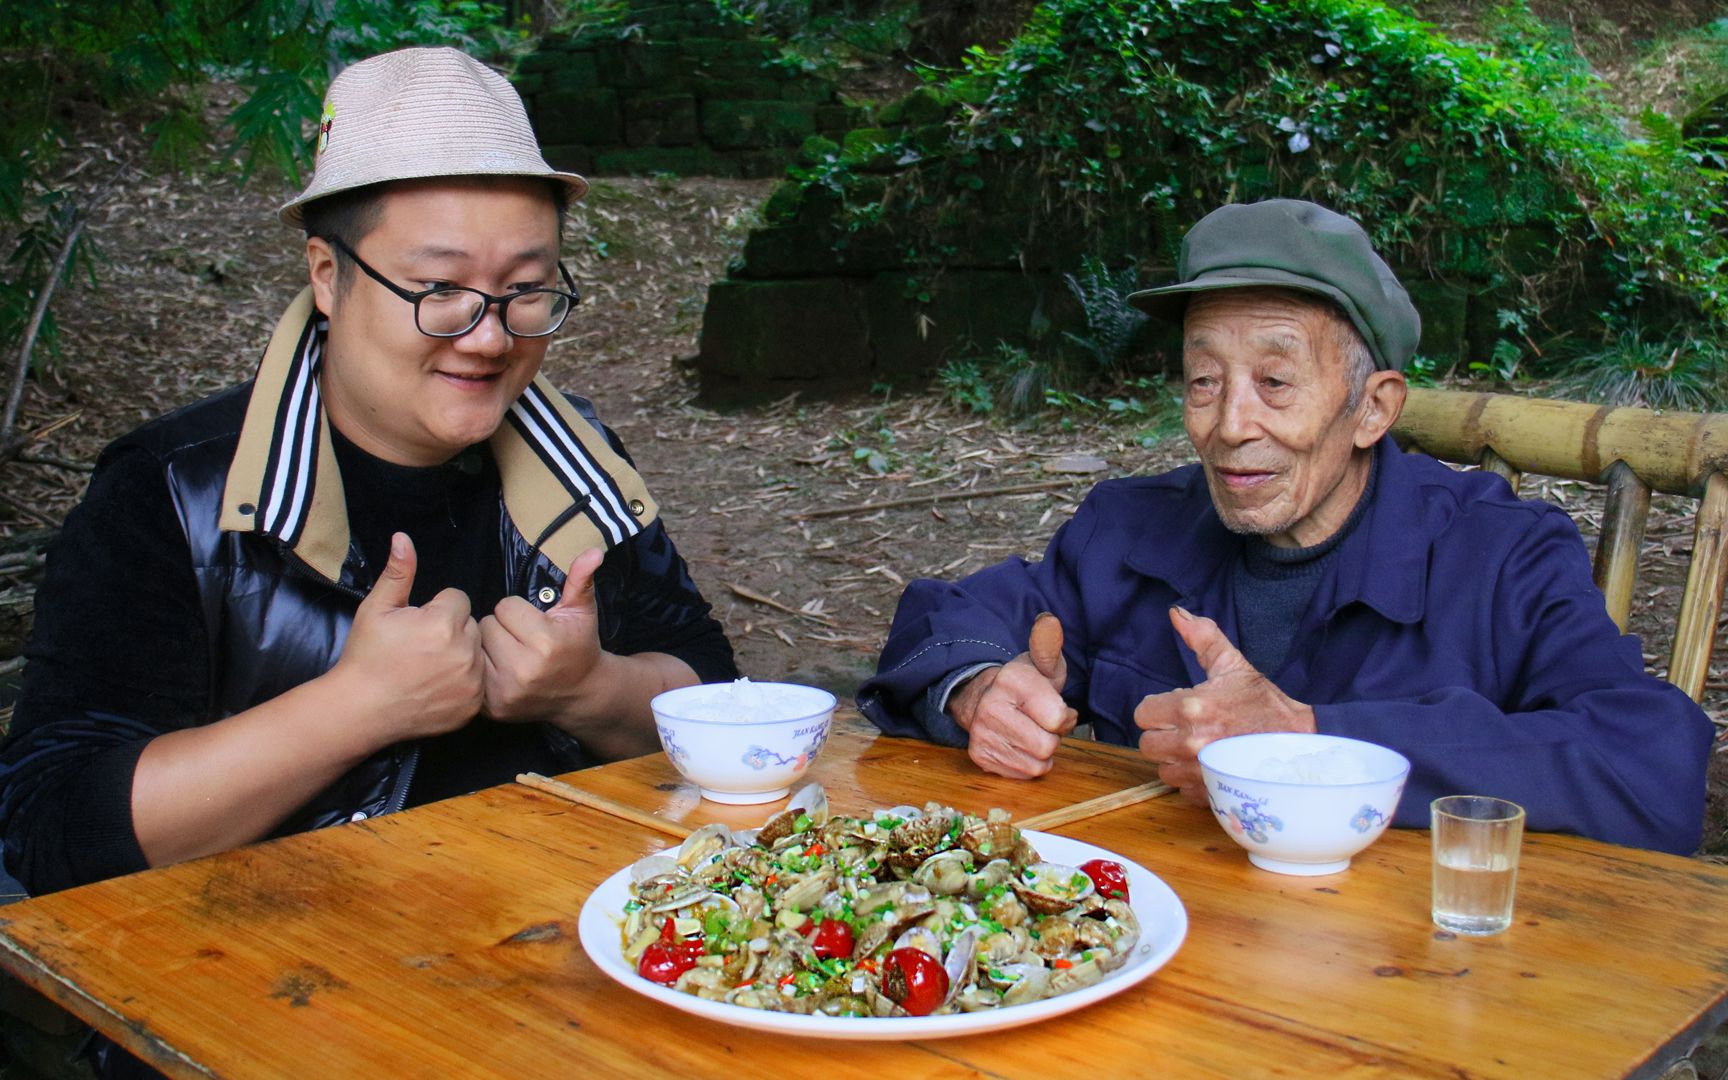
(1358, 361)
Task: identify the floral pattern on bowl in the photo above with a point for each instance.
(1367, 819)
(1249, 819)
(669, 740)
(759, 757)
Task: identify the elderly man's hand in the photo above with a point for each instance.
(1015, 714)
(540, 664)
(421, 665)
(1235, 699)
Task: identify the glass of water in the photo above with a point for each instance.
(1476, 841)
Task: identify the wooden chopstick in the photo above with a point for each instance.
(602, 803)
(1079, 811)
(1139, 793)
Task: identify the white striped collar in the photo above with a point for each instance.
(564, 485)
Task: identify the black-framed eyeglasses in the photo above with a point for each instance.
(449, 311)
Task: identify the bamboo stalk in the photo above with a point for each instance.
(1701, 604)
(1103, 804)
(1616, 566)
(39, 311)
(600, 802)
(768, 601)
(940, 496)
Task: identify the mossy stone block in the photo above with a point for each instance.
(925, 105)
(786, 251)
(817, 149)
(781, 206)
(804, 88)
(752, 125)
(1445, 308)
(968, 313)
(678, 160)
(739, 70)
(873, 148)
(632, 65)
(576, 159)
(703, 50)
(1530, 250)
(589, 117)
(544, 60)
(660, 120)
(834, 119)
(747, 89)
(574, 71)
(758, 331)
(1473, 195)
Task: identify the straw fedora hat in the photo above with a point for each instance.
(417, 113)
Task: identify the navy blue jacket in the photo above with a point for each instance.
(1458, 625)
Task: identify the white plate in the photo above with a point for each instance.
(1163, 925)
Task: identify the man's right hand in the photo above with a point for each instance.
(423, 666)
(1015, 714)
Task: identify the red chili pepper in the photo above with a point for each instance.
(1062, 965)
(813, 851)
(663, 962)
(1109, 878)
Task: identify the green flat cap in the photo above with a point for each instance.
(1291, 244)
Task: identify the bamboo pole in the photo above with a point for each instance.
(1695, 633)
(1498, 465)
(1616, 567)
(1672, 452)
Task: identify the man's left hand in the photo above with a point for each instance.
(1235, 699)
(539, 663)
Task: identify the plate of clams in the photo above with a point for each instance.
(906, 922)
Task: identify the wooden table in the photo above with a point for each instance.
(441, 942)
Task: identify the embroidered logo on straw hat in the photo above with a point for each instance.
(325, 123)
(418, 113)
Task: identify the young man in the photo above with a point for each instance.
(396, 566)
(1307, 576)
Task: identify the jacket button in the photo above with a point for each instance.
(547, 594)
(358, 815)
(637, 507)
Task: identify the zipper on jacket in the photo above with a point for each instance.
(398, 796)
(404, 776)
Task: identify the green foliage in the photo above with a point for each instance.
(1017, 382)
(1111, 125)
(1679, 370)
(152, 62)
(1111, 322)
(965, 385)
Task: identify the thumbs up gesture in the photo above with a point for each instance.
(1015, 714)
(421, 666)
(542, 663)
(1235, 699)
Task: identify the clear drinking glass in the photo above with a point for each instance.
(1476, 841)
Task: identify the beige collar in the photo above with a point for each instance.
(553, 463)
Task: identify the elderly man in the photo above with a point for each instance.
(1307, 576)
(397, 565)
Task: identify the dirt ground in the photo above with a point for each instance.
(773, 506)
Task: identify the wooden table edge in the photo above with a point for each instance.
(132, 1035)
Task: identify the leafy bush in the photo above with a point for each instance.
(1108, 126)
(153, 61)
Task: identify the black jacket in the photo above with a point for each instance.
(274, 606)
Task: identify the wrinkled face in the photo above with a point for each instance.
(1265, 407)
(418, 400)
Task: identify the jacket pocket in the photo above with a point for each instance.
(1118, 686)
